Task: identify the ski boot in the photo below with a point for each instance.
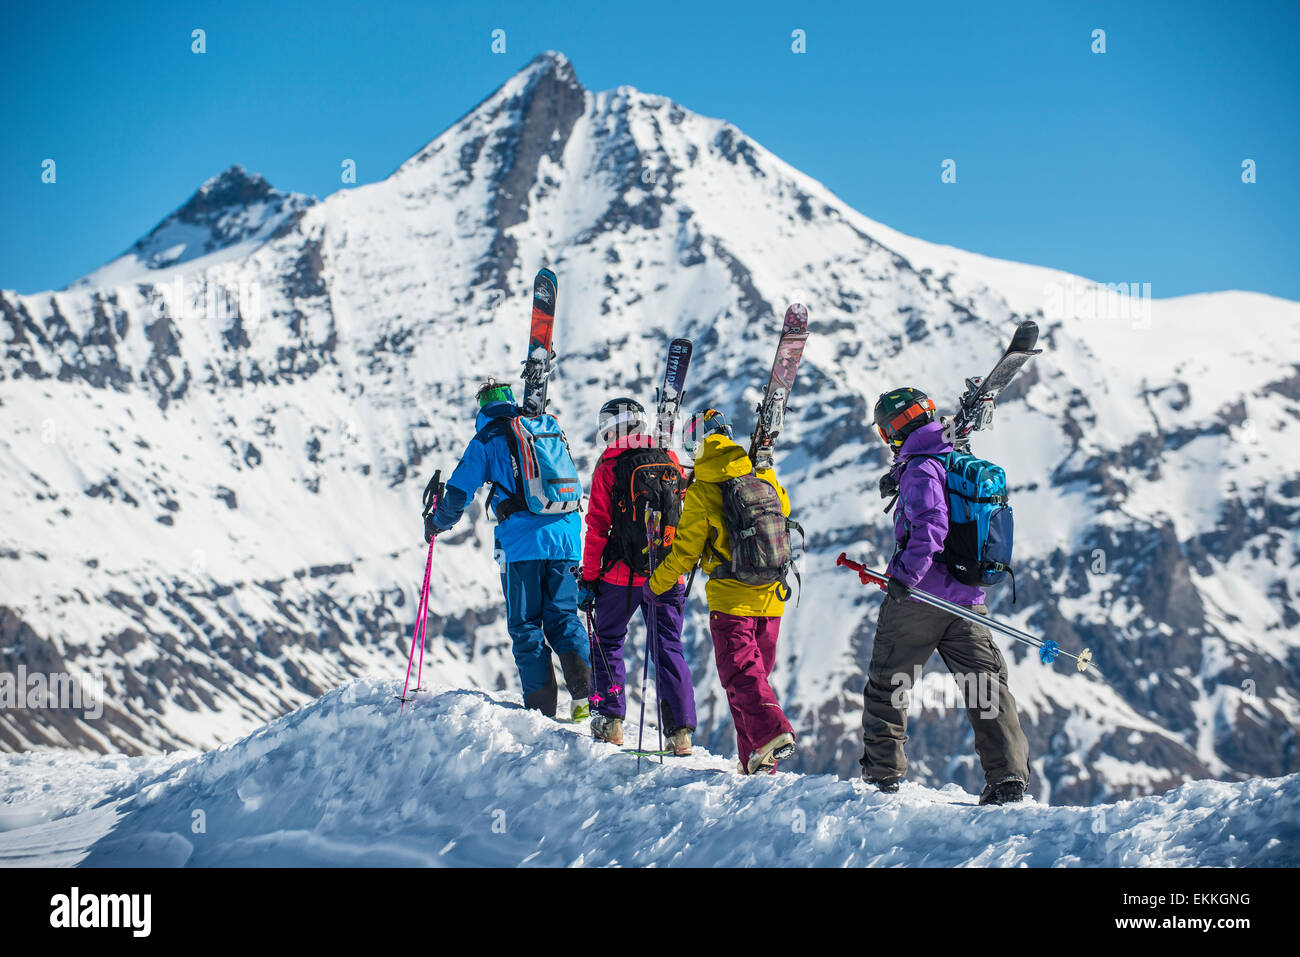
(884, 785)
(1006, 791)
(580, 710)
(679, 742)
(778, 749)
(605, 728)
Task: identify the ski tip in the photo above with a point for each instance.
(796, 317)
(1026, 337)
(545, 287)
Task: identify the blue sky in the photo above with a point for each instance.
(1123, 166)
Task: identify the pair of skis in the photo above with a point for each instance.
(975, 407)
(539, 363)
(780, 382)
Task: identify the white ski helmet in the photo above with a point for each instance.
(620, 417)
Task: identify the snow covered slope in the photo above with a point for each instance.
(212, 498)
(469, 778)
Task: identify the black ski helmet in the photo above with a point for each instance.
(900, 412)
(621, 416)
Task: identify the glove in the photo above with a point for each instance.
(433, 493)
(648, 595)
(888, 484)
(586, 596)
(897, 590)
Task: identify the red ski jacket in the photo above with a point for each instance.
(600, 513)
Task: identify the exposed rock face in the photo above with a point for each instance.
(213, 504)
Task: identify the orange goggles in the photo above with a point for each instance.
(907, 415)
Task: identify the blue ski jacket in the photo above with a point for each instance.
(523, 536)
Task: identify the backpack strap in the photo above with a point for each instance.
(723, 568)
(907, 527)
(792, 526)
(510, 502)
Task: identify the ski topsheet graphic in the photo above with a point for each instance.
(975, 407)
(771, 409)
(672, 391)
(537, 366)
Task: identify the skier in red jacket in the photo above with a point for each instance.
(614, 571)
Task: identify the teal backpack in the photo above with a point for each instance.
(546, 480)
(980, 523)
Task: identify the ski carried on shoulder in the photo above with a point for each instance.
(537, 366)
(670, 394)
(975, 407)
(771, 409)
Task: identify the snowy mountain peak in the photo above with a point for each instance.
(234, 187)
(228, 217)
(552, 62)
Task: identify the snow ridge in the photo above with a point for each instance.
(465, 777)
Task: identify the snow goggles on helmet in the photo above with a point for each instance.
(495, 392)
(704, 424)
(890, 431)
(620, 418)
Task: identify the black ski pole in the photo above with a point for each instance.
(652, 524)
(656, 520)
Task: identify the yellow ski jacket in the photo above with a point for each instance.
(701, 525)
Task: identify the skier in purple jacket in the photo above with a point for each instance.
(908, 631)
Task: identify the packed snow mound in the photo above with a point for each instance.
(465, 777)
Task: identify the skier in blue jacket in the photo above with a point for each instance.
(537, 554)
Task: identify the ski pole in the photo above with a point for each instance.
(1048, 650)
(652, 520)
(656, 519)
(640, 725)
(418, 631)
(432, 495)
(596, 647)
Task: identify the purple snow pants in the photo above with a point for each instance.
(745, 649)
(615, 605)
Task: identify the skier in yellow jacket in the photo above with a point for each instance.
(744, 619)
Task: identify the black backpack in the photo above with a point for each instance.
(762, 552)
(644, 480)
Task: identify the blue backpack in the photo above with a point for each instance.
(980, 526)
(546, 480)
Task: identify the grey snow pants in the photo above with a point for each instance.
(907, 632)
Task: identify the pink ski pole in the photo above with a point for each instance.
(418, 632)
(432, 494)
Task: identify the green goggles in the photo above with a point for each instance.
(501, 393)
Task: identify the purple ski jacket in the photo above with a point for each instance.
(921, 519)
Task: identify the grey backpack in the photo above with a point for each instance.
(762, 552)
